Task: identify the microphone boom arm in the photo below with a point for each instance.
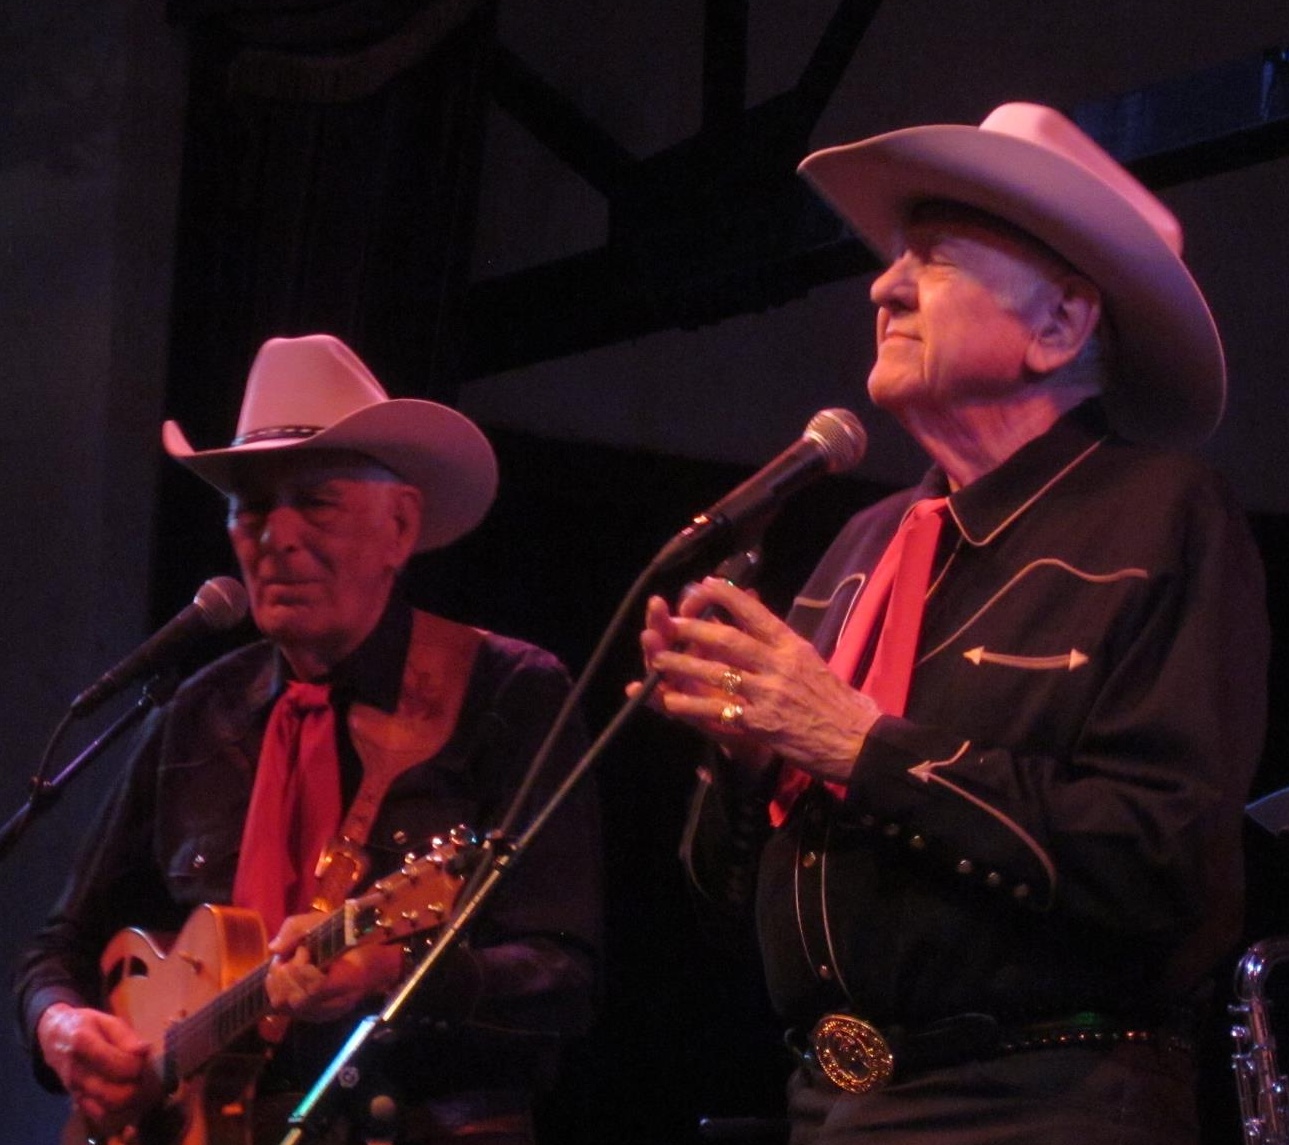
(44, 792)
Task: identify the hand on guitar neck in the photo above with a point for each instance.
(300, 989)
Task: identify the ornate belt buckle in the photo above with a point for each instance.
(852, 1053)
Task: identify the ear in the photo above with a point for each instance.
(1068, 320)
(405, 513)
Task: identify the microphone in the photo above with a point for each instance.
(833, 442)
(220, 603)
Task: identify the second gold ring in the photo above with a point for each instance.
(731, 681)
(731, 716)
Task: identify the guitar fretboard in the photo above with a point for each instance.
(193, 1041)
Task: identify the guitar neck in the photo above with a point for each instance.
(416, 898)
(195, 1040)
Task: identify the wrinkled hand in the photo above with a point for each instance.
(102, 1063)
(298, 988)
(792, 705)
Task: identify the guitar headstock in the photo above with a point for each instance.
(419, 896)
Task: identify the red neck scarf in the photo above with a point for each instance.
(897, 589)
(295, 806)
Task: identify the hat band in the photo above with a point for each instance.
(277, 431)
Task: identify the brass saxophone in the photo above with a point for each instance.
(1261, 1087)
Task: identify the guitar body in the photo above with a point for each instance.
(152, 987)
(198, 1000)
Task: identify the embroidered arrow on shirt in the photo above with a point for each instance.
(928, 771)
(1067, 661)
(925, 771)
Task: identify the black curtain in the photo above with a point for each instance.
(330, 181)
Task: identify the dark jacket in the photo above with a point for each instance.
(1054, 826)
(169, 838)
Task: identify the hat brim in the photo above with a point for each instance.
(1173, 390)
(428, 445)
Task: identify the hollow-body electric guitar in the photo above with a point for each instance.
(196, 999)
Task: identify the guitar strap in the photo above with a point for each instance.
(436, 674)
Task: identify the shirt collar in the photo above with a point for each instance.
(988, 505)
(373, 672)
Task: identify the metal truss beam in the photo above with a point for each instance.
(720, 224)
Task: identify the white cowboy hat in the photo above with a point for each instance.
(1032, 167)
(314, 393)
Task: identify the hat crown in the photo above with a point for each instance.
(314, 393)
(1034, 168)
(1047, 128)
(299, 386)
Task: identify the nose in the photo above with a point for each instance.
(895, 287)
(280, 529)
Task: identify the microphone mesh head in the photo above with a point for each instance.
(841, 437)
(222, 602)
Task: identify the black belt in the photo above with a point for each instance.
(856, 1056)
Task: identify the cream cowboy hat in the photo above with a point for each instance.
(314, 393)
(1033, 168)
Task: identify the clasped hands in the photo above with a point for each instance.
(751, 683)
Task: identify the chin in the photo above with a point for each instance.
(887, 393)
(283, 624)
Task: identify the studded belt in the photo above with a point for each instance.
(855, 1056)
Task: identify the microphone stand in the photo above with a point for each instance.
(500, 855)
(311, 1116)
(44, 792)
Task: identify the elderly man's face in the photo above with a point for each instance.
(958, 312)
(320, 539)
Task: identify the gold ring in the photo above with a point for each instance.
(731, 681)
(731, 716)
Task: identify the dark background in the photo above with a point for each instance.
(579, 223)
